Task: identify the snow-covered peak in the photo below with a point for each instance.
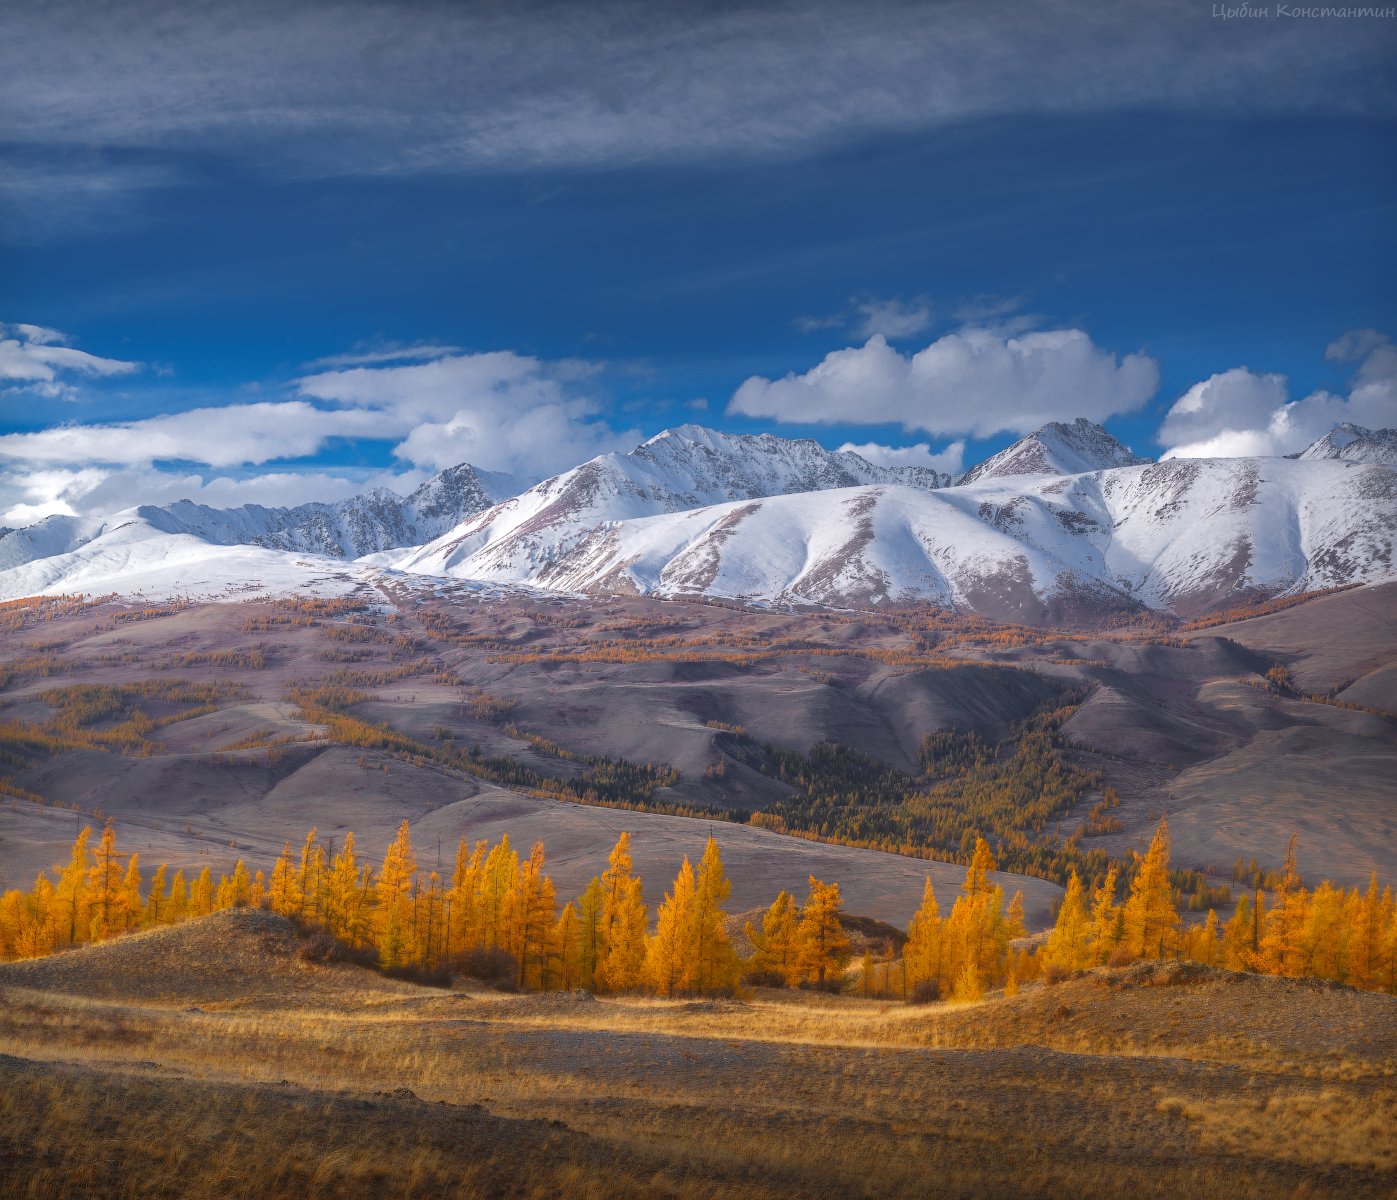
(1352, 443)
(370, 522)
(1058, 448)
(756, 465)
(683, 468)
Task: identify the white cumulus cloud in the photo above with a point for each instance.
(976, 382)
(30, 495)
(950, 460)
(1240, 412)
(227, 436)
(500, 410)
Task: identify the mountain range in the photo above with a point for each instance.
(1065, 523)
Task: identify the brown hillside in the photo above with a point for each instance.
(240, 952)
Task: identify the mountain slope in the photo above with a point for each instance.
(1058, 448)
(1353, 443)
(772, 519)
(1183, 535)
(133, 552)
(373, 521)
(370, 522)
(680, 469)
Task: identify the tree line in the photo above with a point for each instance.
(497, 917)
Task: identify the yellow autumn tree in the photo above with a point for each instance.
(622, 954)
(921, 956)
(1282, 950)
(310, 877)
(1149, 917)
(156, 902)
(463, 912)
(72, 893)
(346, 915)
(976, 935)
(393, 909)
(567, 948)
(1107, 922)
(104, 879)
(669, 954)
(498, 877)
(533, 910)
(822, 947)
(1068, 947)
(776, 957)
(177, 902)
(131, 902)
(714, 965)
(591, 945)
(201, 894)
(284, 895)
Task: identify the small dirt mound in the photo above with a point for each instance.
(241, 952)
(1161, 974)
(552, 1004)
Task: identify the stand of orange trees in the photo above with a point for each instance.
(497, 917)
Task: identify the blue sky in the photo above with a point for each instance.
(275, 253)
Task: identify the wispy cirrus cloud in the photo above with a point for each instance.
(348, 86)
(373, 356)
(35, 359)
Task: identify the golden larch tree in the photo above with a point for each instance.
(669, 954)
(777, 950)
(498, 877)
(533, 907)
(72, 892)
(714, 963)
(393, 909)
(1068, 947)
(822, 947)
(1150, 918)
(1106, 922)
(921, 956)
(622, 954)
(104, 879)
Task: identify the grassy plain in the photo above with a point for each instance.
(208, 1059)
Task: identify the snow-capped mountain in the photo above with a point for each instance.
(373, 521)
(364, 524)
(1181, 535)
(764, 518)
(1353, 443)
(675, 471)
(136, 552)
(1058, 448)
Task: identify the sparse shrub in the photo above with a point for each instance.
(496, 967)
(1053, 974)
(438, 977)
(925, 991)
(769, 979)
(1120, 957)
(323, 949)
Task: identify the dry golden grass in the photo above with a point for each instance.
(1319, 1126)
(1143, 1084)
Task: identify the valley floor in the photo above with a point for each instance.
(252, 1073)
